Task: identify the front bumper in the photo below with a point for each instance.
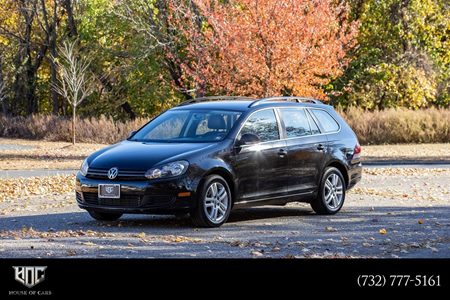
(156, 196)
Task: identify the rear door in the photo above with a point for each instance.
(306, 147)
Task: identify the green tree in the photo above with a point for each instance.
(403, 57)
(134, 81)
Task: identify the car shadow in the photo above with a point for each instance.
(82, 220)
(357, 219)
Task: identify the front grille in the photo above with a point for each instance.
(128, 200)
(79, 198)
(122, 175)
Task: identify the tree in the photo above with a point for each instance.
(262, 48)
(403, 57)
(29, 32)
(157, 21)
(2, 94)
(75, 83)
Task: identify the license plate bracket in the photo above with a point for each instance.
(109, 191)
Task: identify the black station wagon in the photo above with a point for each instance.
(209, 155)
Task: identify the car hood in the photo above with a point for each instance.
(130, 155)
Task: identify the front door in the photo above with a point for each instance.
(262, 168)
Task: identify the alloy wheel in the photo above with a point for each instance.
(216, 202)
(333, 191)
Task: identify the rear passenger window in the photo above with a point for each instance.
(312, 123)
(328, 123)
(296, 122)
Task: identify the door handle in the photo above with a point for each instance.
(320, 147)
(282, 153)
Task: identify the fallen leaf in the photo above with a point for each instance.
(89, 244)
(256, 253)
(415, 245)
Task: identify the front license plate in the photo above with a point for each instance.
(111, 191)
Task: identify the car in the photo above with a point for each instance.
(210, 155)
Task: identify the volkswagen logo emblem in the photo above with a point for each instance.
(112, 173)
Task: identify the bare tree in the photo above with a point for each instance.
(75, 83)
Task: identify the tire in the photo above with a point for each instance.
(331, 195)
(102, 216)
(214, 203)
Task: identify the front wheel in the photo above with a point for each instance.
(102, 216)
(331, 196)
(213, 203)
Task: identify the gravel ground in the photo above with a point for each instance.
(391, 213)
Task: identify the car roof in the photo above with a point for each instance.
(243, 105)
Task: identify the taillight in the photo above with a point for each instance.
(357, 151)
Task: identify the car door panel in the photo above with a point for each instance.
(306, 148)
(305, 162)
(262, 168)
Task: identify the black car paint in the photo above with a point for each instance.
(276, 172)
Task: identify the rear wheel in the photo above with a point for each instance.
(213, 203)
(102, 216)
(331, 196)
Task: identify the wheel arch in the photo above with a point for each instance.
(225, 174)
(341, 167)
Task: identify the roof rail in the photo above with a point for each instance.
(287, 99)
(213, 98)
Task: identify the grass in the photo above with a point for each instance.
(53, 128)
(399, 126)
(390, 126)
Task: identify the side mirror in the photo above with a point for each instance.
(131, 133)
(248, 139)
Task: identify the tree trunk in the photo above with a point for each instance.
(2, 90)
(73, 123)
(71, 24)
(127, 108)
(53, 52)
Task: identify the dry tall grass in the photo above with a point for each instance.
(400, 125)
(391, 126)
(51, 128)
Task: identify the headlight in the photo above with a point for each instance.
(84, 168)
(168, 170)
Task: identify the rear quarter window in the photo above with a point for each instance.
(328, 123)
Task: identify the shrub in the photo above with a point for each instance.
(399, 125)
(389, 126)
(52, 128)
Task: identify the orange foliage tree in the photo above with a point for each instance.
(265, 47)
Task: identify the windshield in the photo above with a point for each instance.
(187, 126)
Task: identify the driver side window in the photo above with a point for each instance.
(262, 124)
